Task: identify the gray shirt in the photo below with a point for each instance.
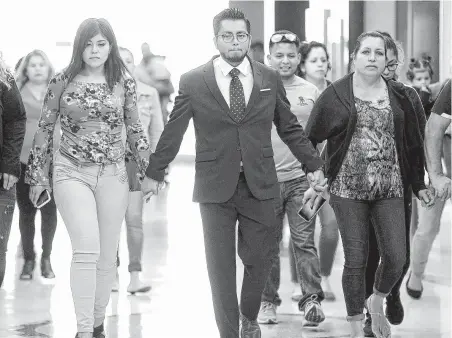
(301, 95)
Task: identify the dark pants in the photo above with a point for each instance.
(354, 217)
(257, 248)
(27, 215)
(373, 258)
(302, 244)
(7, 202)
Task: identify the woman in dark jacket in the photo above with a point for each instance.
(374, 158)
(12, 132)
(394, 308)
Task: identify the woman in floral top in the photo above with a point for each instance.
(94, 97)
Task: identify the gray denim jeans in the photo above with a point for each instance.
(388, 219)
(304, 250)
(92, 200)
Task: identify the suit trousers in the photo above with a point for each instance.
(257, 246)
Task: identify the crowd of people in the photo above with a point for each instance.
(271, 137)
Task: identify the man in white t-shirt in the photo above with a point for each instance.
(284, 57)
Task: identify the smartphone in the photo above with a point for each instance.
(308, 213)
(43, 199)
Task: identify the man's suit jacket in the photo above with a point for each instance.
(221, 143)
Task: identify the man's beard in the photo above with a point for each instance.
(233, 59)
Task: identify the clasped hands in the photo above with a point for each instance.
(318, 187)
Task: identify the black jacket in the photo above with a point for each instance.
(12, 127)
(333, 118)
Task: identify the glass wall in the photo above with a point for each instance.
(327, 22)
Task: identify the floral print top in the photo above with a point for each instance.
(92, 120)
(370, 170)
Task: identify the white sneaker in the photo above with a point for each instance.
(313, 313)
(267, 314)
(136, 285)
(115, 287)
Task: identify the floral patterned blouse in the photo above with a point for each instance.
(92, 120)
(370, 170)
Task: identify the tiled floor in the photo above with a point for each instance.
(179, 305)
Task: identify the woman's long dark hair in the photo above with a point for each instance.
(115, 69)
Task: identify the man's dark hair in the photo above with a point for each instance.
(297, 42)
(230, 14)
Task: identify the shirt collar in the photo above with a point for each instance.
(244, 67)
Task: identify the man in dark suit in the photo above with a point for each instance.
(233, 102)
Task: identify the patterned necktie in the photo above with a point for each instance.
(236, 96)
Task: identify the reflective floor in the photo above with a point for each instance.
(179, 304)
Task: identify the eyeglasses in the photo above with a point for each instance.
(278, 37)
(392, 66)
(229, 37)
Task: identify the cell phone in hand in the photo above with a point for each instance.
(43, 199)
(308, 213)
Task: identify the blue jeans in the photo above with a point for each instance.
(7, 202)
(302, 236)
(354, 217)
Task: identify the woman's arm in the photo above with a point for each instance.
(136, 137)
(38, 170)
(416, 155)
(321, 121)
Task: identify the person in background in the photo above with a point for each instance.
(153, 72)
(12, 132)
(284, 57)
(94, 98)
(373, 162)
(315, 64)
(314, 67)
(19, 250)
(150, 114)
(257, 52)
(32, 77)
(234, 101)
(419, 75)
(437, 138)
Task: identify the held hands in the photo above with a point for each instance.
(442, 186)
(8, 180)
(150, 187)
(318, 181)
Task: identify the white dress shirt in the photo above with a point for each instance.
(222, 69)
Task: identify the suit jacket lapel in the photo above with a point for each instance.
(257, 86)
(211, 82)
